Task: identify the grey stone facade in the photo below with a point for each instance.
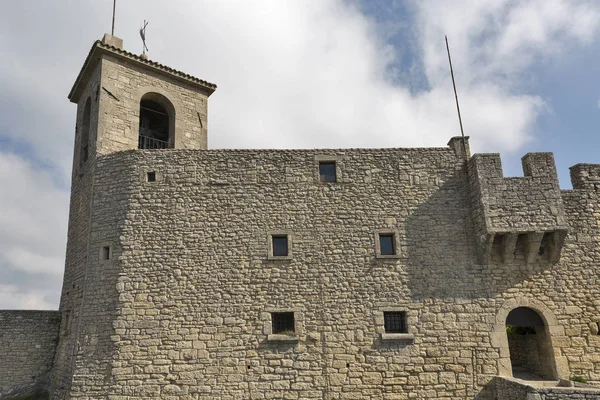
(27, 346)
(172, 286)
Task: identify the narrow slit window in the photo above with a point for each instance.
(327, 171)
(280, 246)
(152, 176)
(283, 323)
(85, 131)
(395, 322)
(105, 253)
(387, 246)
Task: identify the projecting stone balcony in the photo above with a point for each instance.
(526, 247)
(517, 219)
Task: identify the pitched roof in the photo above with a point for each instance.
(99, 48)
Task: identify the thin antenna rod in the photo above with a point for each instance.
(456, 97)
(113, 21)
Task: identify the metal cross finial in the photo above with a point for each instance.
(143, 36)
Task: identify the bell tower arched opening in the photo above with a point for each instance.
(531, 353)
(157, 122)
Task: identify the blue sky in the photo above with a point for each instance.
(294, 74)
(568, 84)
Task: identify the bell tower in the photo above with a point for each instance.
(124, 102)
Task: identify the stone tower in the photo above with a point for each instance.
(124, 102)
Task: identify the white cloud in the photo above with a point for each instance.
(32, 233)
(13, 297)
(305, 73)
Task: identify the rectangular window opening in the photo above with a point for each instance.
(105, 253)
(395, 322)
(280, 245)
(283, 323)
(327, 171)
(152, 176)
(387, 247)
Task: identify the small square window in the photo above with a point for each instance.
(152, 176)
(327, 171)
(282, 323)
(395, 321)
(280, 246)
(105, 253)
(387, 246)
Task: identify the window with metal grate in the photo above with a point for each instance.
(395, 322)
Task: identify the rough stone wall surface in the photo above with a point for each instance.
(92, 359)
(125, 84)
(509, 389)
(524, 353)
(586, 176)
(27, 342)
(77, 240)
(183, 308)
(576, 290)
(565, 394)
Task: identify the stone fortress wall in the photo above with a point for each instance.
(169, 285)
(182, 309)
(28, 342)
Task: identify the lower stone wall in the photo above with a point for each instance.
(513, 389)
(27, 345)
(567, 394)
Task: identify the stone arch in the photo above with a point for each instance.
(555, 332)
(170, 103)
(156, 122)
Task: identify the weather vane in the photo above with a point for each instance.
(143, 36)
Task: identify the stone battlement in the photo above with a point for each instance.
(586, 176)
(523, 214)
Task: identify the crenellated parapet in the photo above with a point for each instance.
(517, 219)
(585, 176)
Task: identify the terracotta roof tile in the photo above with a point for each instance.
(98, 44)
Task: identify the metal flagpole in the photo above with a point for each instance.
(112, 32)
(456, 97)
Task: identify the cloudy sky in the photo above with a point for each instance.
(294, 74)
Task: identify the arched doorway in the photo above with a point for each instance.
(157, 122)
(531, 353)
